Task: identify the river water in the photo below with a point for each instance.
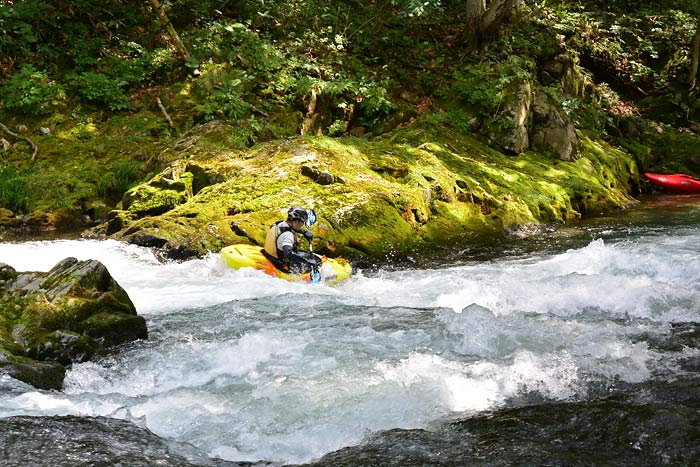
(580, 346)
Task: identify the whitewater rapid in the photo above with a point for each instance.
(247, 367)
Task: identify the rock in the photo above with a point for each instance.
(319, 176)
(202, 178)
(552, 130)
(531, 119)
(116, 220)
(510, 130)
(66, 315)
(93, 441)
(8, 218)
(115, 328)
(388, 201)
(41, 375)
(160, 195)
(7, 273)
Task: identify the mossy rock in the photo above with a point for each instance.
(158, 196)
(420, 187)
(42, 375)
(8, 218)
(64, 347)
(66, 315)
(112, 329)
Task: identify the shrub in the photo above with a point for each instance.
(221, 93)
(101, 89)
(31, 92)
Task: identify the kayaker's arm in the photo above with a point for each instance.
(298, 261)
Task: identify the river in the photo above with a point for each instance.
(580, 346)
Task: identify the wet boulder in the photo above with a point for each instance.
(68, 314)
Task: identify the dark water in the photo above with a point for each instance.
(579, 346)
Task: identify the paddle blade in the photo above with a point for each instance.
(311, 219)
(315, 276)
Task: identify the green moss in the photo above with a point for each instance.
(43, 375)
(159, 195)
(423, 185)
(114, 328)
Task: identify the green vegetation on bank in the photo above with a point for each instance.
(111, 94)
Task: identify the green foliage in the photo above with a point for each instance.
(221, 93)
(455, 118)
(133, 64)
(14, 189)
(17, 34)
(52, 189)
(232, 42)
(416, 7)
(20, 189)
(101, 89)
(634, 49)
(119, 177)
(31, 92)
(481, 85)
(373, 101)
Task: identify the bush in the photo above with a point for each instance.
(101, 89)
(31, 92)
(221, 93)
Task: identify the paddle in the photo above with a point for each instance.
(315, 276)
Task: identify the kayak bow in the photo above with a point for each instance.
(675, 182)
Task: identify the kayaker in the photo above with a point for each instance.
(282, 246)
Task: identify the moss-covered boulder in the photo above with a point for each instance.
(423, 186)
(43, 375)
(69, 314)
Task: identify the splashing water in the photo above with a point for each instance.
(247, 367)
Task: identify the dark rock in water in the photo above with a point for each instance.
(43, 375)
(115, 328)
(67, 315)
(91, 441)
(657, 424)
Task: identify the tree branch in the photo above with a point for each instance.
(165, 112)
(35, 149)
(165, 21)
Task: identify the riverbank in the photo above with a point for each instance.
(424, 186)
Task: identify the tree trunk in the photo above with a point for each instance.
(485, 16)
(498, 12)
(695, 57)
(165, 21)
(472, 30)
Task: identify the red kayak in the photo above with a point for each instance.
(676, 182)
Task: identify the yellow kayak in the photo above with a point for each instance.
(333, 270)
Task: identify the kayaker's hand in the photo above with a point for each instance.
(308, 235)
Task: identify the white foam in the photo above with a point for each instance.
(249, 367)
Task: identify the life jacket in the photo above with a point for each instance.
(270, 251)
